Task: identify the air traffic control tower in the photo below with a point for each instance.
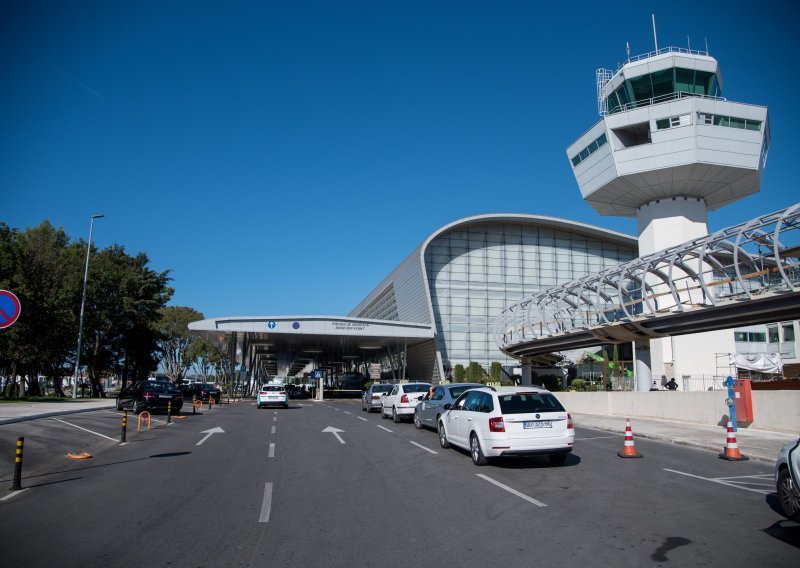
(667, 149)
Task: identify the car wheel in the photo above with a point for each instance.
(788, 496)
(286, 405)
(258, 406)
(383, 414)
(443, 436)
(559, 458)
(395, 417)
(417, 421)
(475, 451)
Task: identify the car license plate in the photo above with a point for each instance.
(164, 396)
(538, 424)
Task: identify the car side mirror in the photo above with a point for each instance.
(448, 406)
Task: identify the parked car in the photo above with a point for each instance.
(787, 477)
(371, 400)
(272, 395)
(428, 410)
(402, 400)
(203, 391)
(152, 396)
(508, 421)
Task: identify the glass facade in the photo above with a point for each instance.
(661, 85)
(474, 271)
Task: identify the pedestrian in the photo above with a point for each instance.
(654, 387)
(671, 384)
(664, 380)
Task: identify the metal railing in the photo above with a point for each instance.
(732, 265)
(663, 98)
(662, 51)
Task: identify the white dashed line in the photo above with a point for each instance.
(266, 504)
(274, 418)
(423, 447)
(362, 418)
(84, 429)
(271, 453)
(347, 412)
(512, 491)
(273, 430)
(383, 428)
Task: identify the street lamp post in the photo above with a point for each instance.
(83, 304)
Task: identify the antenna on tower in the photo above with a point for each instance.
(628, 50)
(655, 37)
(689, 43)
(706, 46)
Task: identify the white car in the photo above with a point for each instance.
(508, 421)
(402, 400)
(272, 395)
(787, 477)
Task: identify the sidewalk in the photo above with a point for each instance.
(11, 412)
(759, 445)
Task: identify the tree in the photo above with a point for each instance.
(495, 370)
(460, 372)
(205, 356)
(176, 339)
(475, 372)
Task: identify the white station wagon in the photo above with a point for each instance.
(402, 400)
(508, 421)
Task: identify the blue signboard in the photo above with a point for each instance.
(271, 325)
(10, 308)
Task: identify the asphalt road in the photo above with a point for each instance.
(276, 490)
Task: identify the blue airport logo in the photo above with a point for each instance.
(271, 325)
(296, 325)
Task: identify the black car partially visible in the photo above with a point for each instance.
(203, 391)
(153, 396)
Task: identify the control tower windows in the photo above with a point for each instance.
(730, 121)
(662, 85)
(596, 144)
(633, 135)
(674, 121)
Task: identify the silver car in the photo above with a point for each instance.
(372, 398)
(787, 478)
(428, 411)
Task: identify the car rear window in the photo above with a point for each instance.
(524, 403)
(456, 391)
(272, 388)
(381, 388)
(207, 387)
(416, 388)
(159, 386)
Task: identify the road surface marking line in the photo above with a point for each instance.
(271, 453)
(362, 418)
(347, 412)
(721, 482)
(85, 429)
(274, 418)
(273, 430)
(512, 491)
(266, 504)
(596, 438)
(10, 495)
(423, 447)
(383, 428)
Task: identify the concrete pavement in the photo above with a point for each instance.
(760, 445)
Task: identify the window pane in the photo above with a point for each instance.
(576, 160)
(753, 124)
(788, 332)
(662, 82)
(684, 79)
(601, 140)
(737, 122)
(773, 334)
(662, 123)
(642, 89)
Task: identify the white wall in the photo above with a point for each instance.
(772, 410)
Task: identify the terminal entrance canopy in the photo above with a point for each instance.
(293, 346)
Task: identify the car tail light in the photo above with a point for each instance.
(404, 399)
(282, 393)
(376, 397)
(570, 424)
(497, 424)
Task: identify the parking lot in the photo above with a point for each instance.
(325, 484)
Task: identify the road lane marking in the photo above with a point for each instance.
(208, 433)
(85, 429)
(273, 430)
(727, 481)
(512, 491)
(423, 447)
(347, 412)
(335, 432)
(274, 418)
(266, 504)
(271, 453)
(10, 495)
(596, 438)
(362, 418)
(383, 428)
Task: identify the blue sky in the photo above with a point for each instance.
(284, 157)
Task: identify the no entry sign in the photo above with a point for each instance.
(10, 308)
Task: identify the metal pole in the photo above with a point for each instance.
(83, 304)
(123, 435)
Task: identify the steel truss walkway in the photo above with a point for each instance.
(743, 275)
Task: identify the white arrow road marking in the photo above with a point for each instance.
(335, 432)
(209, 433)
(266, 505)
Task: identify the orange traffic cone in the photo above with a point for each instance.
(629, 450)
(732, 452)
